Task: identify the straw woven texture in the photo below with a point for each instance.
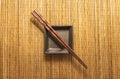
(96, 25)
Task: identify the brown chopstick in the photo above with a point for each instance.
(56, 36)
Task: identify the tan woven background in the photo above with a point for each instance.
(96, 26)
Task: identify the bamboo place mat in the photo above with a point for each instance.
(96, 26)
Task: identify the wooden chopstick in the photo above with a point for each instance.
(56, 36)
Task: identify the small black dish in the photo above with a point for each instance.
(51, 46)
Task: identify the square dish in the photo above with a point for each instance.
(51, 46)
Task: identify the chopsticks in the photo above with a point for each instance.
(56, 36)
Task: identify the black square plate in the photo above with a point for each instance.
(51, 46)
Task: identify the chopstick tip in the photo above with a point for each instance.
(35, 11)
